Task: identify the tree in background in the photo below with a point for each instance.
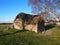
(39, 6)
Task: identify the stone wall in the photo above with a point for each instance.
(28, 22)
(30, 27)
(18, 24)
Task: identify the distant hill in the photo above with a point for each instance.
(5, 23)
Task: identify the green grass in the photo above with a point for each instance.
(21, 37)
(56, 32)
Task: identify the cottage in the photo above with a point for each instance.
(29, 22)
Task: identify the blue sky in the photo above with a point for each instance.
(10, 8)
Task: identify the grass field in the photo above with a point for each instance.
(21, 37)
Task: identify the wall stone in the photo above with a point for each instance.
(18, 24)
(31, 27)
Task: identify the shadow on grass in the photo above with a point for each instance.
(11, 33)
(49, 26)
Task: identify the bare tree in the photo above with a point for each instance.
(39, 6)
